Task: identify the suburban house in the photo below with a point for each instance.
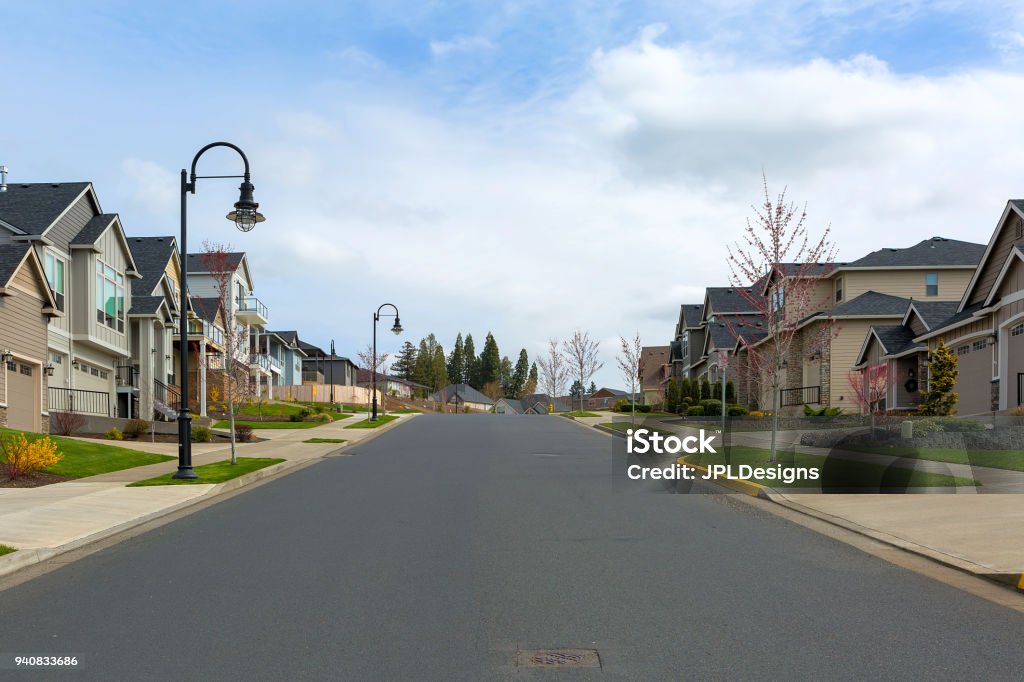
(389, 385)
(605, 398)
(462, 396)
(536, 403)
(725, 309)
(319, 367)
(26, 307)
(89, 268)
(147, 386)
(227, 277)
(688, 340)
(291, 356)
(654, 370)
(986, 332)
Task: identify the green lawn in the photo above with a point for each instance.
(839, 473)
(367, 424)
(225, 424)
(324, 440)
(4, 549)
(997, 459)
(577, 413)
(407, 410)
(348, 407)
(83, 458)
(217, 472)
(271, 409)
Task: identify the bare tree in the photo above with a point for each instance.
(553, 370)
(216, 259)
(869, 385)
(776, 268)
(373, 365)
(581, 353)
(629, 365)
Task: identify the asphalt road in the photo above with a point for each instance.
(438, 549)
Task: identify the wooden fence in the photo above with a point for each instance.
(321, 393)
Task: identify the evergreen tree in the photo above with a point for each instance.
(672, 396)
(730, 392)
(405, 363)
(531, 382)
(457, 362)
(438, 368)
(520, 375)
(422, 373)
(489, 368)
(593, 388)
(685, 391)
(941, 399)
(705, 389)
(576, 390)
(470, 364)
(507, 377)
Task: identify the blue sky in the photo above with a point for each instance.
(521, 167)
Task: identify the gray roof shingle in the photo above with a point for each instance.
(692, 314)
(151, 255)
(145, 305)
(935, 313)
(936, 251)
(197, 261)
(33, 207)
(871, 303)
(896, 339)
(11, 255)
(729, 300)
(466, 393)
(93, 229)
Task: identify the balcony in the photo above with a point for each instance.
(78, 400)
(126, 377)
(259, 361)
(251, 310)
(805, 395)
(199, 330)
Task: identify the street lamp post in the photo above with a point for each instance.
(245, 216)
(397, 329)
(331, 370)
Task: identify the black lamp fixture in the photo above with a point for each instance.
(396, 328)
(7, 356)
(245, 216)
(49, 370)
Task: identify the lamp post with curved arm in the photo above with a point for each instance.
(245, 216)
(397, 329)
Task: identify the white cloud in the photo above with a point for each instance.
(443, 48)
(150, 186)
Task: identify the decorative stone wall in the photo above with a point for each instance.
(995, 395)
(3, 416)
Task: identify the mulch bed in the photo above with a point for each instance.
(32, 480)
(161, 438)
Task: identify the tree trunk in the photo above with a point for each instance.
(775, 415)
(231, 407)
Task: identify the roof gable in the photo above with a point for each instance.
(32, 208)
(1011, 217)
(933, 252)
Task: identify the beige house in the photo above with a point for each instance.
(987, 330)
(89, 269)
(26, 306)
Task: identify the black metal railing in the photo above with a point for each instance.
(78, 400)
(166, 395)
(127, 375)
(805, 395)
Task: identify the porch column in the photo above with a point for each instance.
(147, 366)
(202, 378)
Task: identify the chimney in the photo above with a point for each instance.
(3, 178)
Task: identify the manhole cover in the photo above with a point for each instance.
(558, 658)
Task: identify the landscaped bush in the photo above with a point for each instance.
(686, 402)
(113, 434)
(711, 406)
(318, 409)
(20, 456)
(949, 424)
(136, 427)
(760, 413)
(201, 434)
(1017, 411)
(736, 411)
(619, 404)
(295, 417)
(695, 411)
(243, 433)
(321, 417)
(66, 423)
(629, 407)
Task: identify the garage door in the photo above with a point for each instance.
(974, 383)
(1015, 365)
(22, 397)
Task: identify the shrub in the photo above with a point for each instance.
(113, 434)
(833, 411)
(66, 423)
(711, 406)
(136, 427)
(21, 456)
(695, 411)
(304, 412)
(952, 424)
(243, 433)
(686, 402)
(201, 434)
(629, 407)
(760, 413)
(318, 409)
(295, 417)
(619, 404)
(1017, 411)
(736, 411)
(321, 417)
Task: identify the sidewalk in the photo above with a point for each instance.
(981, 534)
(45, 521)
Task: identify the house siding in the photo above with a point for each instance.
(906, 283)
(996, 258)
(23, 329)
(845, 347)
(73, 220)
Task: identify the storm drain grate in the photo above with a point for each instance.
(558, 658)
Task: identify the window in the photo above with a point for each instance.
(173, 286)
(56, 358)
(839, 289)
(980, 345)
(1018, 330)
(778, 299)
(963, 350)
(109, 297)
(54, 269)
(931, 284)
(26, 370)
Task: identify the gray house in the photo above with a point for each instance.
(461, 396)
(89, 268)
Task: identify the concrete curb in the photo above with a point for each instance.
(24, 558)
(1014, 580)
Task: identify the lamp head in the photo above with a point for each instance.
(245, 216)
(397, 328)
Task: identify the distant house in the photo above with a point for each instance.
(390, 385)
(319, 367)
(537, 403)
(654, 373)
(461, 396)
(605, 398)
